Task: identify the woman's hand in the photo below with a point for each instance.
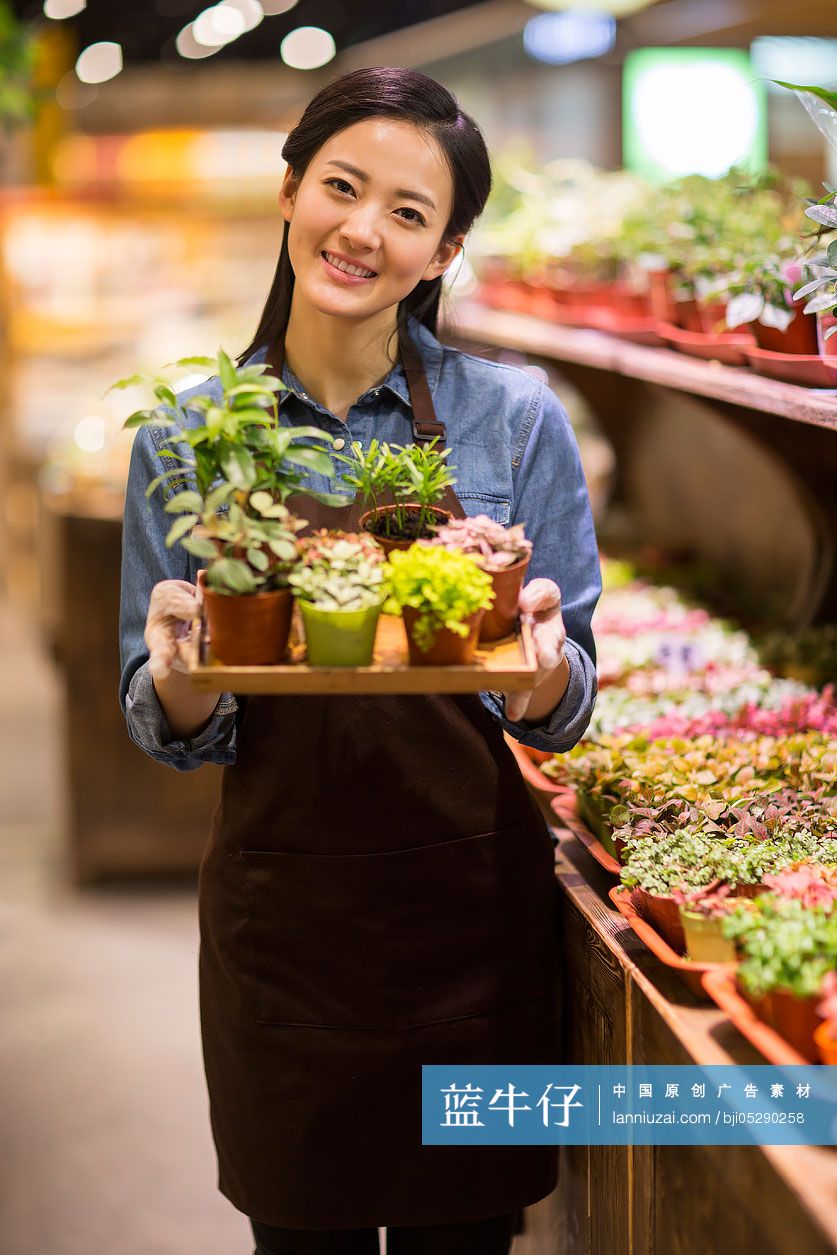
(540, 605)
(173, 606)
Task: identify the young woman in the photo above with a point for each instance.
(377, 892)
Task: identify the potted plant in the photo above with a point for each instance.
(414, 476)
(702, 914)
(340, 586)
(442, 596)
(821, 291)
(250, 551)
(825, 1034)
(786, 949)
(502, 551)
(239, 441)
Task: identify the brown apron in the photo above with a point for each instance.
(377, 893)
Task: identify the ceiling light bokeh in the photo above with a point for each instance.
(272, 8)
(60, 9)
(307, 48)
(218, 25)
(99, 62)
(250, 10)
(188, 46)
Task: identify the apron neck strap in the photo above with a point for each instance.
(425, 424)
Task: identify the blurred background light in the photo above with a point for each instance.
(559, 38)
(188, 46)
(273, 7)
(60, 9)
(796, 59)
(692, 111)
(307, 48)
(250, 10)
(89, 434)
(99, 62)
(616, 8)
(218, 25)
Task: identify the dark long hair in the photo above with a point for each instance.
(395, 92)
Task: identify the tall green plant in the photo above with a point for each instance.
(415, 474)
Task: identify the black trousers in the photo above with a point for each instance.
(475, 1237)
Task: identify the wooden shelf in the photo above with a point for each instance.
(732, 384)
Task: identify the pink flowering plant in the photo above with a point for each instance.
(493, 546)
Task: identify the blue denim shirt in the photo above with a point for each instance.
(515, 459)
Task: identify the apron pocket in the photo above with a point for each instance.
(403, 938)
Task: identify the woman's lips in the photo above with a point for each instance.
(335, 273)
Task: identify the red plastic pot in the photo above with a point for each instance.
(499, 621)
(661, 296)
(793, 1018)
(800, 337)
(249, 630)
(447, 649)
(825, 1039)
(664, 913)
(828, 348)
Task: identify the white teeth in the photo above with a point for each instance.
(350, 270)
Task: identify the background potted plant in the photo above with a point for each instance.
(825, 1034)
(442, 596)
(502, 551)
(340, 585)
(413, 476)
(250, 551)
(820, 292)
(787, 950)
(702, 913)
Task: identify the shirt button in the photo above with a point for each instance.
(339, 442)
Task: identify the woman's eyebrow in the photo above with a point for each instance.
(399, 191)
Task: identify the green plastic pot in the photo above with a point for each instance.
(340, 638)
(705, 940)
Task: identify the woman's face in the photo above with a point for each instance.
(377, 196)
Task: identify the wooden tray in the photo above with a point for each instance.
(719, 983)
(690, 972)
(508, 665)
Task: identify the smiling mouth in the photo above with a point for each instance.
(356, 272)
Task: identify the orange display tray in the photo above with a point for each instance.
(565, 808)
(690, 972)
(720, 985)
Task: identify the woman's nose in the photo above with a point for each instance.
(361, 230)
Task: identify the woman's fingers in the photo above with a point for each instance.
(541, 595)
(172, 607)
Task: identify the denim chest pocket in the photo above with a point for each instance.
(496, 507)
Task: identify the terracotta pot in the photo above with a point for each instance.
(499, 621)
(705, 940)
(388, 543)
(339, 638)
(793, 1018)
(541, 304)
(249, 630)
(825, 1039)
(447, 649)
(661, 296)
(710, 317)
(828, 348)
(663, 913)
(800, 337)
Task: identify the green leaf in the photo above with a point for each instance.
(180, 527)
(161, 479)
(311, 459)
(298, 433)
(258, 558)
(165, 394)
(821, 93)
(233, 574)
(199, 548)
(238, 466)
(133, 381)
(219, 495)
(226, 370)
(208, 363)
(145, 418)
(284, 549)
(184, 501)
(261, 501)
(832, 253)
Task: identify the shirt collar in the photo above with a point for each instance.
(430, 351)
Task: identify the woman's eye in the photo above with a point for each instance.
(334, 182)
(418, 217)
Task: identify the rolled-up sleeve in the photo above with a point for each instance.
(146, 561)
(552, 501)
